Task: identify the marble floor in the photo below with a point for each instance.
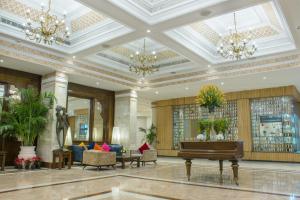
(166, 180)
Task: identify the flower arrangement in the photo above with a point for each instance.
(211, 97)
(32, 163)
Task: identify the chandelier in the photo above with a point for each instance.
(143, 63)
(237, 45)
(50, 28)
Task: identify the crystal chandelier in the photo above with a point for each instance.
(236, 45)
(143, 63)
(50, 28)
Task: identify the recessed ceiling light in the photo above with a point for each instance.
(148, 31)
(264, 78)
(222, 83)
(187, 88)
(1, 60)
(156, 92)
(73, 57)
(97, 83)
(208, 66)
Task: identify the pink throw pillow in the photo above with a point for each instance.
(105, 147)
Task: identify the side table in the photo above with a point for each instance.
(62, 155)
(123, 159)
(3, 155)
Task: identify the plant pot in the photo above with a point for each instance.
(27, 152)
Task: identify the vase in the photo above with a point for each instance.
(207, 133)
(213, 134)
(27, 152)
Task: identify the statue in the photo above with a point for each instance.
(62, 125)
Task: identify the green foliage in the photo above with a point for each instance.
(221, 125)
(205, 125)
(26, 116)
(150, 133)
(225, 123)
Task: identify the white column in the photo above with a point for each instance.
(56, 83)
(126, 116)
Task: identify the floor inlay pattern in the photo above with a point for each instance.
(167, 180)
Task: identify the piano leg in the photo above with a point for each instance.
(235, 169)
(221, 166)
(188, 164)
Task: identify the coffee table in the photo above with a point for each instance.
(129, 158)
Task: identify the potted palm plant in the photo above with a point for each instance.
(26, 118)
(150, 134)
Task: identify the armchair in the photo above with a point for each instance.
(147, 156)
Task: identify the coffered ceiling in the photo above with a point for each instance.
(183, 33)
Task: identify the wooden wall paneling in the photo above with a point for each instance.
(162, 111)
(164, 124)
(20, 79)
(247, 94)
(72, 125)
(244, 123)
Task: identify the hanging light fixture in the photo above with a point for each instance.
(143, 63)
(50, 28)
(237, 45)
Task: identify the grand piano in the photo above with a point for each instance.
(212, 150)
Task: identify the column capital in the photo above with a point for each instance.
(126, 93)
(55, 77)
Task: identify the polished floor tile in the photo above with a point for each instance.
(166, 180)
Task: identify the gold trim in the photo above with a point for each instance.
(86, 20)
(58, 63)
(126, 52)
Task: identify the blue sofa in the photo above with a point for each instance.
(77, 151)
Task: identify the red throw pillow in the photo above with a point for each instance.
(144, 147)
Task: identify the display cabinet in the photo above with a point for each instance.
(186, 118)
(275, 125)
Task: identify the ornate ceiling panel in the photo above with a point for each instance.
(184, 39)
(154, 11)
(118, 57)
(84, 22)
(269, 29)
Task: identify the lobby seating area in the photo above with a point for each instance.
(149, 99)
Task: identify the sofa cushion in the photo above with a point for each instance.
(144, 147)
(116, 148)
(91, 146)
(105, 147)
(97, 147)
(83, 145)
(77, 152)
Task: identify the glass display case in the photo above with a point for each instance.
(186, 118)
(275, 125)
